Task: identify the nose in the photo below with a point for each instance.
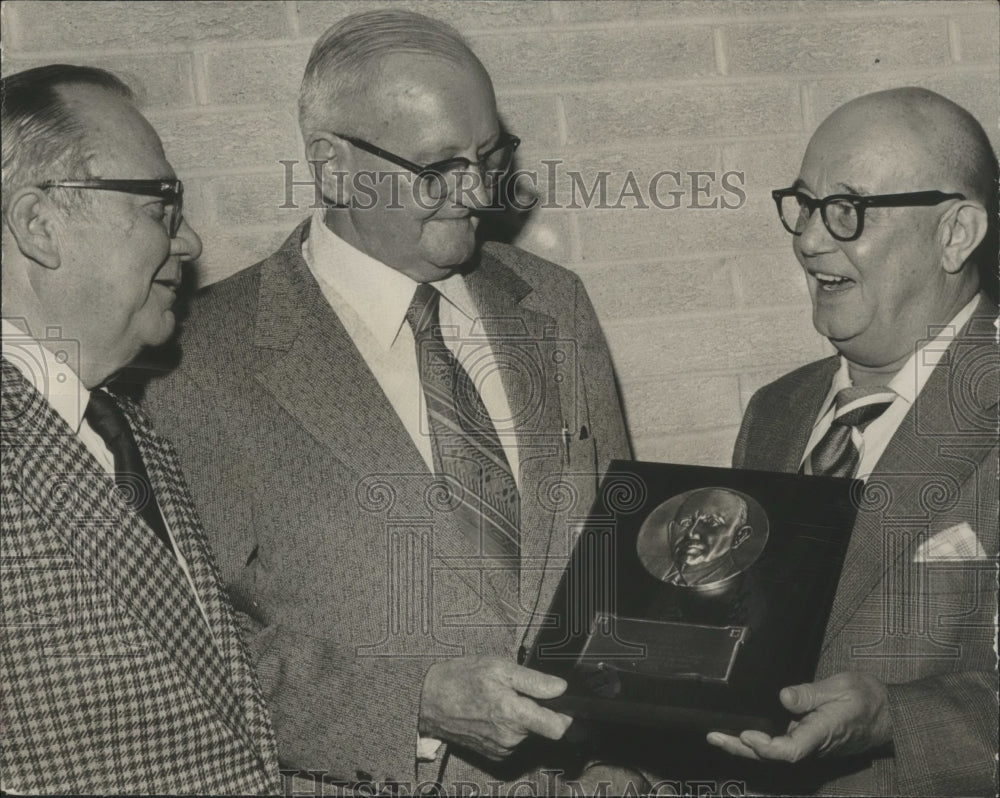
(470, 190)
(186, 244)
(697, 530)
(815, 238)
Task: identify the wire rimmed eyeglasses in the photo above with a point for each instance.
(434, 177)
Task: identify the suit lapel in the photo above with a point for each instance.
(934, 449)
(112, 542)
(178, 511)
(316, 373)
(800, 407)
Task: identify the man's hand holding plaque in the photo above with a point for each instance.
(845, 714)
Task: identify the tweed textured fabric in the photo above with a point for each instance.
(330, 528)
(111, 681)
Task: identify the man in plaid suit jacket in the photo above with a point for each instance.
(121, 666)
(905, 700)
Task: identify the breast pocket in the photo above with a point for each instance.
(961, 595)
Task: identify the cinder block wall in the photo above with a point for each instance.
(701, 305)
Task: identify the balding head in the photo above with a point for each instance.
(912, 267)
(709, 524)
(936, 143)
(941, 138)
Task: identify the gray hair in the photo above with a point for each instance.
(42, 139)
(345, 62)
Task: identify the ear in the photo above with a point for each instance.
(961, 229)
(742, 535)
(328, 161)
(30, 217)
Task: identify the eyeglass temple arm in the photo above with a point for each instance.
(916, 198)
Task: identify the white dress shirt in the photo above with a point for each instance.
(908, 382)
(54, 378)
(371, 299)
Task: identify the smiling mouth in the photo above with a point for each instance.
(832, 282)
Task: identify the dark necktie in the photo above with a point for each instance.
(108, 421)
(466, 447)
(856, 407)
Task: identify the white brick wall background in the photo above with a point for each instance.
(700, 306)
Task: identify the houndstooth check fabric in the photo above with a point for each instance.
(110, 679)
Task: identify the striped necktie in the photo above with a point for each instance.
(856, 407)
(467, 449)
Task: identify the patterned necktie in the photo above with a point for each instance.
(466, 447)
(108, 421)
(836, 455)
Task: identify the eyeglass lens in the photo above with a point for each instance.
(174, 217)
(438, 182)
(840, 216)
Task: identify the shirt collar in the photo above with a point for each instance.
(377, 293)
(53, 377)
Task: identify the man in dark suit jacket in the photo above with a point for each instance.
(905, 700)
(305, 418)
(121, 665)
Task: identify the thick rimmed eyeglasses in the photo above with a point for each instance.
(170, 191)
(844, 214)
(435, 178)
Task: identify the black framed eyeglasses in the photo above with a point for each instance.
(170, 191)
(435, 177)
(844, 214)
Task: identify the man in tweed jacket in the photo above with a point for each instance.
(905, 700)
(387, 649)
(121, 666)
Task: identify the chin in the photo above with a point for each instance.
(845, 341)
(839, 331)
(161, 332)
(456, 257)
(453, 251)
